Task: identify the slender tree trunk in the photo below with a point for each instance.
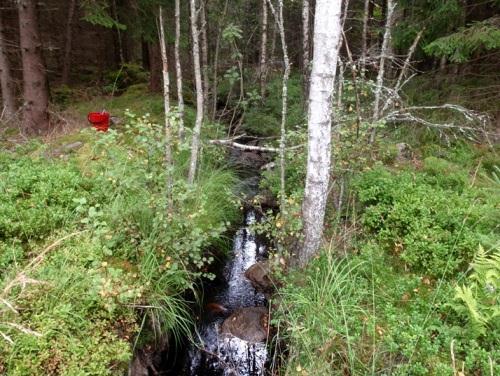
(154, 67)
(327, 31)
(404, 70)
(305, 44)
(407, 62)
(166, 103)
(8, 109)
(263, 51)
(354, 76)
(364, 38)
(178, 69)
(118, 33)
(340, 83)
(68, 42)
(216, 61)
(278, 16)
(204, 54)
(272, 55)
(195, 144)
(381, 72)
(35, 91)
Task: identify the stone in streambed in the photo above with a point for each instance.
(249, 324)
(259, 275)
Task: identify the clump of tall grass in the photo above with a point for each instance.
(319, 316)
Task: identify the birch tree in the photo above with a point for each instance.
(178, 68)
(327, 31)
(278, 16)
(381, 71)
(166, 105)
(305, 44)
(68, 42)
(364, 36)
(204, 53)
(216, 59)
(263, 50)
(195, 144)
(7, 83)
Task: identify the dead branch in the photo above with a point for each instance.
(22, 279)
(237, 145)
(408, 114)
(21, 329)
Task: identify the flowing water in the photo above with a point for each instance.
(221, 354)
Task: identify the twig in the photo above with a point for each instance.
(237, 145)
(21, 276)
(21, 328)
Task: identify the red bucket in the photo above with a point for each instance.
(99, 120)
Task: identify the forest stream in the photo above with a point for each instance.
(233, 329)
(231, 332)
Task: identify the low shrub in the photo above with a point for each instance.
(92, 261)
(433, 228)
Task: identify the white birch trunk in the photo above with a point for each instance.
(216, 61)
(68, 42)
(281, 27)
(263, 51)
(166, 103)
(204, 54)
(305, 39)
(404, 70)
(381, 72)
(118, 32)
(327, 31)
(195, 144)
(340, 84)
(407, 62)
(364, 36)
(178, 69)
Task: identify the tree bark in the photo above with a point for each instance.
(9, 107)
(364, 38)
(305, 44)
(263, 51)
(35, 91)
(68, 42)
(178, 69)
(278, 16)
(327, 31)
(340, 84)
(154, 68)
(204, 54)
(166, 105)
(119, 40)
(195, 144)
(381, 71)
(399, 83)
(216, 61)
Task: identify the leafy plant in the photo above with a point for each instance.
(480, 297)
(432, 228)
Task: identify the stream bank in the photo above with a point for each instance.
(232, 323)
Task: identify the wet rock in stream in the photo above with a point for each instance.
(249, 324)
(259, 274)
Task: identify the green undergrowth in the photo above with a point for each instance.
(410, 282)
(92, 262)
(362, 315)
(136, 98)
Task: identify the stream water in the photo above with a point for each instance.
(217, 353)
